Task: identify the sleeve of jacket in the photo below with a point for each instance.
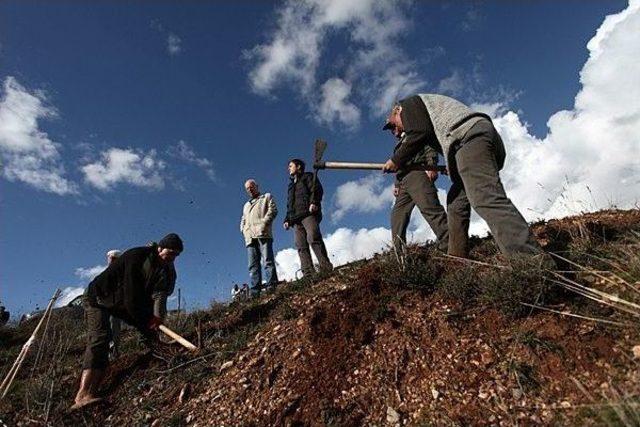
(162, 289)
(134, 296)
(242, 219)
(272, 210)
(414, 141)
(431, 155)
(417, 127)
(160, 304)
(316, 190)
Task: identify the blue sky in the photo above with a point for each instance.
(189, 99)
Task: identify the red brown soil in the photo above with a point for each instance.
(358, 351)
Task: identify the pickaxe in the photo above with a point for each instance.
(321, 146)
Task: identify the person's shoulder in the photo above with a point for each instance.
(136, 253)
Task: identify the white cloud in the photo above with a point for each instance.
(28, 154)
(376, 72)
(184, 152)
(68, 294)
(334, 105)
(174, 44)
(368, 194)
(451, 85)
(589, 160)
(343, 245)
(129, 166)
(88, 273)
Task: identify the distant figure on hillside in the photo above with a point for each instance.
(304, 214)
(417, 188)
(4, 316)
(475, 154)
(131, 288)
(235, 291)
(256, 227)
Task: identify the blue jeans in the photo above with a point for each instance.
(261, 250)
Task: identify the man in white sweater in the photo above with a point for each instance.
(257, 217)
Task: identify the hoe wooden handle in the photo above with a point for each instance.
(184, 342)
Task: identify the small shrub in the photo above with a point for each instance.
(460, 284)
(287, 312)
(414, 270)
(523, 282)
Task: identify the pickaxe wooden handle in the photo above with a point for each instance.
(375, 166)
(183, 341)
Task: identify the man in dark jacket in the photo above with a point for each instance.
(304, 215)
(474, 153)
(417, 188)
(127, 289)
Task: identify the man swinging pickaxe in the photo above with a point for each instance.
(412, 188)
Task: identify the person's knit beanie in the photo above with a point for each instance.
(171, 241)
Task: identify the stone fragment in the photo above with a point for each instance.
(226, 365)
(435, 393)
(393, 418)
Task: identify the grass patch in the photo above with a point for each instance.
(523, 282)
(460, 284)
(415, 269)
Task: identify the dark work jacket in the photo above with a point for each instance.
(126, 287)
(299, 198)
(427, 155)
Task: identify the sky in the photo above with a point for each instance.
(122, 122)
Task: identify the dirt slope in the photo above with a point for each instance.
(432, 342)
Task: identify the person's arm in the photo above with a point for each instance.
(160, 304)
(418, 129)
(414, 142)
(134, 303)
(287, 220)
(316, 190)
(242, 221)
(163, 287)
(272, 210)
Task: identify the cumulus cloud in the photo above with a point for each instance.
(28, 154)
(334, 105)
(376, 72)
(451, 85)
(68, 294)
(587, 161)
(129, 166)
(88, 273)
(343, 245)
(174, 44)
(368, 194)
(183, 151)
(589, 158)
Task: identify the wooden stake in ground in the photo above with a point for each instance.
(11, 375)
(184, 342)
